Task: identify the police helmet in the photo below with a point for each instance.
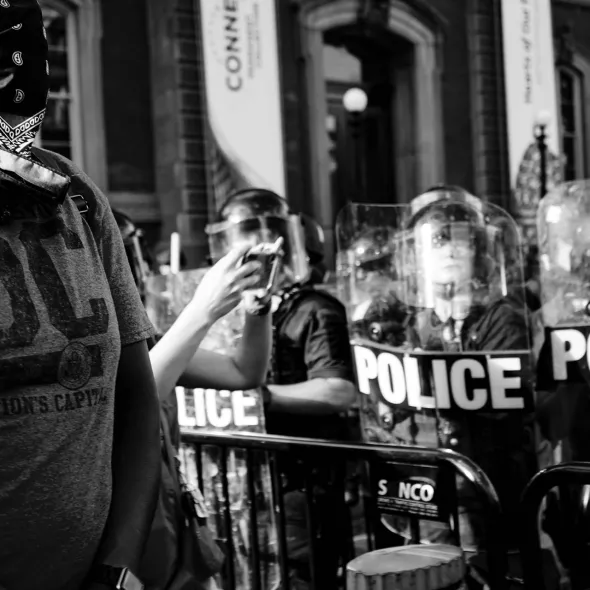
(256, 215)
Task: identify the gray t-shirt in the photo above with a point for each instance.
(67, 304)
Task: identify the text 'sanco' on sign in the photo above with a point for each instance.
(410, 490)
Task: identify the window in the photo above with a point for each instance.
(58, 132)
(572, 122)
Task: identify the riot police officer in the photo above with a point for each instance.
(312, 365)
(310, 385)
(455, 292)
(380, 314)
(563, 401)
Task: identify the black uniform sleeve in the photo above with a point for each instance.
(327, 347)
(504, 329)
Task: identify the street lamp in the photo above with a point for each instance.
(355, 102)
(542, 121)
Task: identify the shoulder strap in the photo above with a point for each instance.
(83, 203)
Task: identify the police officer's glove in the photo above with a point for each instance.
(258, 301)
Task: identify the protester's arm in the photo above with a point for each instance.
(177, 358)
(329, 388)
(245, 369)
(135, 462)
(320, 396)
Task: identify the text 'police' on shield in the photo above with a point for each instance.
(494, 381)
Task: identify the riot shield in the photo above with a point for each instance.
(564, 250)
(437, 313)
(206, 468)
(563, 375)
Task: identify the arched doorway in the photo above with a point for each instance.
(394, 59)
(365, 147)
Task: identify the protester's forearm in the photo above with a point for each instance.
(173, 353)
(254, 350)
(316, 396)
(135, 461)
(245, 369)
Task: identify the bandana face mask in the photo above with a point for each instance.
(24, 86)
(24, 74)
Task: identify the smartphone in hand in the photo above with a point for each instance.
(270, 256)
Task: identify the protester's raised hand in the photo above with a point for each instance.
(222, 287)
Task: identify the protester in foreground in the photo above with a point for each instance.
(78, 413)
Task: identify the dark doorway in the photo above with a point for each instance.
(364, 147)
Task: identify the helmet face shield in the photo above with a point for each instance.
(446, 253)
(457, 247)
(226, 235)
(372, 262)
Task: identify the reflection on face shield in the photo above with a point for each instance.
(447, 252)
(226, 235)
(373, 278)
(259, 230)
(371, 268)
(458, 236)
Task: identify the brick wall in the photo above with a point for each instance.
(178, 100)
(488, 111)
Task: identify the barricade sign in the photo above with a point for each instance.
(409, 491)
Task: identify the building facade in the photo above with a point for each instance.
(128, 103)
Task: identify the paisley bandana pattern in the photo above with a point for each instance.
(24, 74)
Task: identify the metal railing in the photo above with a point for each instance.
(556, 476)
(371, 454)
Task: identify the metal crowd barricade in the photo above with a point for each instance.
(556, 476)
(371, 454)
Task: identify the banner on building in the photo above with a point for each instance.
(531, 97)
(240, 54)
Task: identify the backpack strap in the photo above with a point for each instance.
(83, 202)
